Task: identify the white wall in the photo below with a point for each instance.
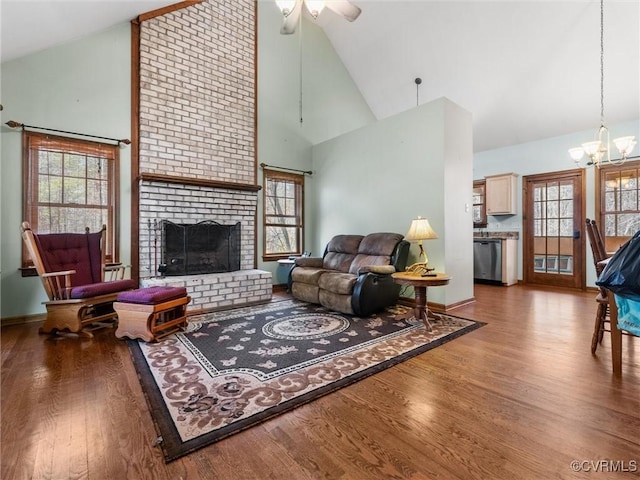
(378, 178)
(81, 87)
(457, 204)
(548, 155)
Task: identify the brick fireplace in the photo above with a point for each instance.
(196, 124)
(190, 204)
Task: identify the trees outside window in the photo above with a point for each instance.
(479, 204)
(619, 202)
(69, 185)
(283, 214)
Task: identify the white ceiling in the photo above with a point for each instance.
(32, 25)
(526, 70)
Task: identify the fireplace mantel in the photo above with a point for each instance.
(198, 182)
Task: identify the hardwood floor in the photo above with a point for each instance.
(520, 398)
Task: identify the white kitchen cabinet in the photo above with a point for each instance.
(501, 194)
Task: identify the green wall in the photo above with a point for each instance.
(541, 156)
(84, 86)
(379, 177)
(368, 175)
(81, 87)
(332, 105)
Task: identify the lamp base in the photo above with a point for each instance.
(419, 268)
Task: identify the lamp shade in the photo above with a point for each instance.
(315, 7)
(420, 230)
(576, 153)
(286, 6)
(591, 148)
(625, 144)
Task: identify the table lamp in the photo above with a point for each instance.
(418, 231)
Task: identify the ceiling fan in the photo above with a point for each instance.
(292, 9)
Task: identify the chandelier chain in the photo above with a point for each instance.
(300, 66)
(599, 150)
(602, 62)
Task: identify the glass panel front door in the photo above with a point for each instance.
(552, 234)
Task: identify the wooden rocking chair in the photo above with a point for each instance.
(71, 267)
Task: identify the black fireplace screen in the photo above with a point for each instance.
(205, 247)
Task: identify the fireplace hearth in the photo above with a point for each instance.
(200, 248)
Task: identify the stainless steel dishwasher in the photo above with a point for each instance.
(487, 260)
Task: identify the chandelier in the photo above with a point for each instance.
(292, 10)
(598, 152)
(314, 6)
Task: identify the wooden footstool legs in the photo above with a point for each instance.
(151, 313)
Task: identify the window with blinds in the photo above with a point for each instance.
(283, 217)
(69, 185)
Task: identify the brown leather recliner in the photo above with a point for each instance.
(354, 274)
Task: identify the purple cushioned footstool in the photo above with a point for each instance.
(151, 313)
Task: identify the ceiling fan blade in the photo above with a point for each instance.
(290, 21)
(345, 8)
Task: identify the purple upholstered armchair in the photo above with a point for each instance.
(71, 267)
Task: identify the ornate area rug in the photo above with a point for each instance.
(231, 370)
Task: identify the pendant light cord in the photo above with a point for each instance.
(599, 151)
(602, 63)
(300, 76)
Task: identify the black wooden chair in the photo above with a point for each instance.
(599, 254)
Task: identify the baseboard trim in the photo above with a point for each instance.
(436, 307)
(461, 303)
(22, 320)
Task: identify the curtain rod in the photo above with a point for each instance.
(308, 172)
(14, 124)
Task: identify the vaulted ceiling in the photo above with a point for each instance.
(526, 70)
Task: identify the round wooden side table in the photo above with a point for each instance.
(420, 284)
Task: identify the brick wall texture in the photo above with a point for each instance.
(197, 92)
(197, 117)
(196, 120)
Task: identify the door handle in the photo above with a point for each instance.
(576, 234)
